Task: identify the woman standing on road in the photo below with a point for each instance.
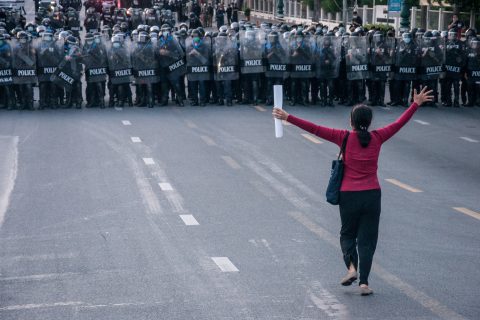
(360, 195)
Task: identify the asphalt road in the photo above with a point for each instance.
(123, 214)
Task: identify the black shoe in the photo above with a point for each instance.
(220, 102)
(456, 104)
(229, 103)
(447, 104)
(194, 103)
(269, 103)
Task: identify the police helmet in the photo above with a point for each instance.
(195, 33)
(166, 27)
(72, 40)
(201, 30)
(223, 29)
(88, 36)
(41, 29)
(46, 22)
(143, 37)
(155, 29)
(91, 10)
(235, 26)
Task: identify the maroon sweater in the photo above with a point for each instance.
(361, 164)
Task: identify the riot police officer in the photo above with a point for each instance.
(94, 59)
(454, 64)
(199, 65)
(49, 54)
(6, 80)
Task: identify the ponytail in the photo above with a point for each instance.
(361, 117)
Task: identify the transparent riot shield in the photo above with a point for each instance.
(69, 70)
(145, 66)
(24, 63)
(171, 58)
(225, 59)
(6, 72)
(381, 58)
(119, 65)
(95, 61)
(49, 56)
(406, 60)
(473, 61)
(301, 56)
(199, 59)
(252, 51)
(356, 58)
(431, 58)
(277, 56)
(455, 59)
(327, 57)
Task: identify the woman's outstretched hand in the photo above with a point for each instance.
(423, 96)
(279, 114)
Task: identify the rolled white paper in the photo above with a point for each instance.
(278, 103)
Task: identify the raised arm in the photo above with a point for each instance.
(387, 132)
(330, 134)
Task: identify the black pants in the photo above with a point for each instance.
(360, 215)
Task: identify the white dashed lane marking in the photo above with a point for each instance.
(468, 212)
(118, 108)
(126, 123)
(422, 122)
(311, 138)
(165, 186)
(403, 185)
(189, 220)
(136, 139)
(469, 139)
(209, 141)
(232, 163)
(225, 264)
(148, 161)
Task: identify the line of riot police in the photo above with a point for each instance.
(240, 63)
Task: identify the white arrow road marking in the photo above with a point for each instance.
(126, 123)
(136, 139)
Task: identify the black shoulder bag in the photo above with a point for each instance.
(336, 175)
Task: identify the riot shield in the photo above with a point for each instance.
(198, 56)
(327, 57)
(455, 59)
(144, 65)
(431, 58)
(301, 56)
(252, 44)
(24, 64)
(225, 59)
(381, 58)
(6, 72)
(356, 58)
(69, 70)
(171, 58)
(119, 65)
(277, 57)
(406, 61)
(49, 55)
(473, 61)
(94, 58)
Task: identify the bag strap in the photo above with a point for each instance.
(344, 145)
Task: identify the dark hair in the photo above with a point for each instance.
(361, 118)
